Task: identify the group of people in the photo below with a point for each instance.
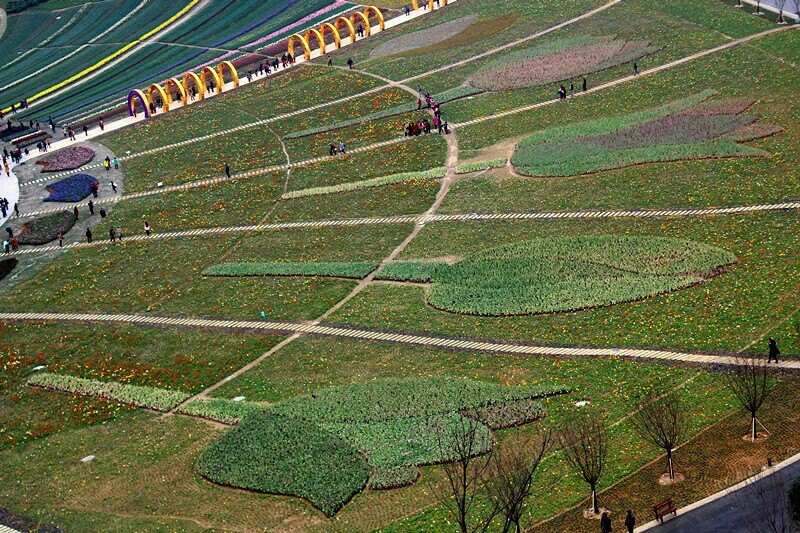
(107, 162)
(114, 234)
(14, 155)
(333, 149)
(562, 91)
(44, 145)
(423, 127)
(605, 522)
(4, 205)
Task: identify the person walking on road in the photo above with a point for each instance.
(147, 228)
(88, 235)
(630, 521)
(116, 164)
(112, 235)
(227, 170)
(91, 207)
(635, 69)
(350, 62)
(774, 352)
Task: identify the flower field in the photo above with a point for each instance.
(708, 130)
(403, 177)
(340, 270)
(323, 446)
(422, 38)
(68, 158)
(47, 228)
(71, 189)
(557, 61)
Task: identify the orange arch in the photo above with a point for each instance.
(364, 19)
(337, 39)
(201, 87)
(164, 98)
(377, 13)
(214, 76)
(348, 25)
(234, 75)
(178, 87)
(318, 36)
(306, 49)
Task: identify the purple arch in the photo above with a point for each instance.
(137, 94)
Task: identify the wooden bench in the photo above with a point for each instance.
(664, 508)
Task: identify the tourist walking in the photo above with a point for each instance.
(85, 130)
(774, 352)
(112, 235)
(562, 93)
(571, 88)
(102, 124)
(630, 521)
(116, 164)
(75, 211)
(332, 150)
(114, 186)
(605, 523)
(342, 147)
(227, 170)
(16, 208)
(88, 235)
(350, 62)
(635, 69)
(91, 207)
(107, 163)
(60, 240)
(146, 228)
(119, 234)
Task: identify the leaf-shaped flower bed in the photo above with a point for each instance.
(72, 189)
(68, 158)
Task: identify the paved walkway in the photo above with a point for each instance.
(728, 511)
(415, 339)
(425, 218)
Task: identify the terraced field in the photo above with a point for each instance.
(303, 297)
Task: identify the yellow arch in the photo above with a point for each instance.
(134, 94)
(164, 98)
(201, 87)
(234, 75)
(415, 3)
(214, 76)
(348, 25)
(178, 87)
(364, 19)
(336, 37)
(318, 36)
(306, 49)
(377, 13)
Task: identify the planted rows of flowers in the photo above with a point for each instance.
(707, 130)
(557, 61)
(139, 396)
(341, 270)
(403, 177)
(47, 228)
(71, 189)
(422, 38)
(326, 446)
(68, 158)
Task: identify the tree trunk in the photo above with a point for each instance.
(595, 505)
(669, 465)
(753, 432)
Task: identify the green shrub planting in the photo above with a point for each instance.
(147, 397)
(220, 410)
(333, 270)
(393, 477)
(510, 414)
(549, 275)
(281, 455)
(466, 168)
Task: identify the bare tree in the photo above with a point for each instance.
(765, 506)
(510, 479)
(661, 420)
(584, 445)
(748, 379)
(463, 443)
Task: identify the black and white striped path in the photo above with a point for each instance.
(425, 219)
(415, 339)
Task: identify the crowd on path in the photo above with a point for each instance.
(424, 126)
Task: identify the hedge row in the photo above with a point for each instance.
(466, 168)
(392, 477)
(421, 175)
(15, 6)
(281, 455)
(47, 228)
(334, 270)
(147, 397)
(446, 96)
(506, 415)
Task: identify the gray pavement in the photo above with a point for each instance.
(755, 508)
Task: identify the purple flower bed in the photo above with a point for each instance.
(66, 159)
(71, 189)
